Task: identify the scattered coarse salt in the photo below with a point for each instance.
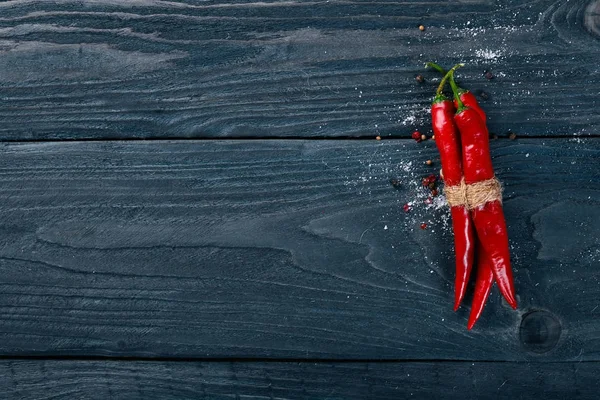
(488, 54)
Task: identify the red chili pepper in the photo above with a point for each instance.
(448, 144)
(485, 275)
(489, 218)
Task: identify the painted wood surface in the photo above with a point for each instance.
(263, 269)
(179, 69)
(285, 249)
(68, 379)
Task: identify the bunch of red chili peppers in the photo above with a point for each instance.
(474, 195)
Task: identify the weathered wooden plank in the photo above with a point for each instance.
(273, 380)
(122, 69)
(285, 249)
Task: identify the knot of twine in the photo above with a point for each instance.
(474, 195)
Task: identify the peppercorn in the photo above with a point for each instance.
(434, 192)
(512, 136)
(431, 186)
(488, 75)
(377, 137)
(417, 136)
(419, 78)
(432, 137)
(406, 207)
(395, 183)
(423, 137)
(423, 225)
(429, 162)
(421, 28)
(431, 179)
(484, 95)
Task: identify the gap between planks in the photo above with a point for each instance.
(284, 360)
(268, 138)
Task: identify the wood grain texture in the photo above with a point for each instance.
(59, 380)
(150, 69)
(294, 249)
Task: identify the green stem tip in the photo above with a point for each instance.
(435, 66)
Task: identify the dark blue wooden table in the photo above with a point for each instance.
(194, 204)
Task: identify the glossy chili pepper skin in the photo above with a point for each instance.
(448, 143)
(476, 158)
(464, 247)
(470, 101)
(488, 219)
(491, 229)
(483, 285)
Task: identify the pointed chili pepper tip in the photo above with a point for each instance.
(470, 324)
(458, 298)
(510, 299)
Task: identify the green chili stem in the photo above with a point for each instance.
(437, 67)
(456, 91)
(448, 75)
